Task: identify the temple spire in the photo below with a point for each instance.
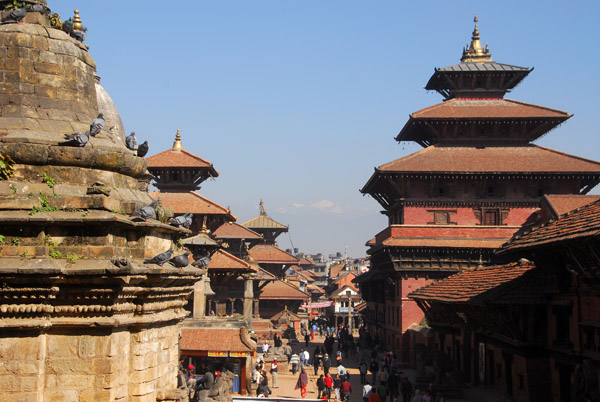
(177, 144)
(262, 208)
(474, 52)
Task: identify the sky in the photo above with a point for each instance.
(296, 102)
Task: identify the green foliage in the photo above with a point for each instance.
(15, 5)
(52, 251)
(6, 166)
(73, 257)
(48, 180)
(14, 189)
(1, 239)
(16, 241)
(55, 21)
(25, 254)
(44, 206)
(55, 254)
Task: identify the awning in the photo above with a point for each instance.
(318, 305)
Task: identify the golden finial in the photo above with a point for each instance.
(262, 208)
(177, 147)
(77, 25)
(204, 229)
(474, 53)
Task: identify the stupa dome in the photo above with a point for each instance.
(114, 124)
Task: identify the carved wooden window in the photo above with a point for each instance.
(442, 217)
(491, 216)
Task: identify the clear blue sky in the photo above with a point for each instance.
(296, 102)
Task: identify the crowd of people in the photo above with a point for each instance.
(380, 377)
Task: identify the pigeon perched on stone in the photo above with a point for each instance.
(17, 15)
(131, 141)
(97, 125)
(181, 220)
(37, 8)
(181, 260)
(202, 262)
(67, 26)
(147, 212)
(80, 34)
(76, 139)
(160, 259)
(142, 149)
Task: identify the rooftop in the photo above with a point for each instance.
(221, 260)
(232, 230)
(579, 223)
(270, 254)
(191, 202)
(466, 286)
(525, 159)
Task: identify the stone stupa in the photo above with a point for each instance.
(82, 317)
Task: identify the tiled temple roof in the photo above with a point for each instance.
(223, 261)
(490, 159)
(170, 158)
(270, 254)
(280, 290)
(460, 108)
(580, 223)
(563, 203)
(213, 339)
(466, 286)
(191, 202)
(232, 230)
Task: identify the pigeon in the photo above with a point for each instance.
(17, 15)
(181, 220)
(202, 262)
(131, 141)
(147, 212)
(76, 139)
(160, 259)
(80, 34)
(97, 125)
(181, 260)
(37, 8)
(67, 26)
(188, 221)
(142, 149)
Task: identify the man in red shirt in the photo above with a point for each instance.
(345, 389)
(328, 385)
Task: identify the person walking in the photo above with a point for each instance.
(328, 385)
(363, 372)
(374, 368)
(382, 392)
(406, 389)
(337, 384)
(345, 390)
(263, 387)
(306, 339)
(326, 363)
(302, 382)
(367, 389)
(295, 363)
(320, 386)
(374, 396)
(274, 374)
(317, 359)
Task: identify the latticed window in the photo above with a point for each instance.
(490, 217)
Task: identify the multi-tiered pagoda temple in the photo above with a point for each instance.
(477, 180)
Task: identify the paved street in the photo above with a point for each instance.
(287, 381)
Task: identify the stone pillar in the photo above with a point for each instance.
(199, 299)
(248, 297)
